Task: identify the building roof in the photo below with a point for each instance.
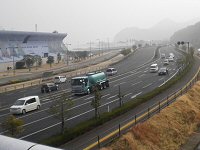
(30, 36)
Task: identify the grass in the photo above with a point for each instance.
(167, 130)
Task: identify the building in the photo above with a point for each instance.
(16, 44)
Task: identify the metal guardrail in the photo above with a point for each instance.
(22, 85)
(119, 129)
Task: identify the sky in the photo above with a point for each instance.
(92, 20)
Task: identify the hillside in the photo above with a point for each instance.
(189, 34)
(161, 31)
(167, 130)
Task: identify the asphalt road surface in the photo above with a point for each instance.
(133, 77)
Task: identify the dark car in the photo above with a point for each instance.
(163, 71)
(48, 87)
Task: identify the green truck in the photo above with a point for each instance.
(85, 84)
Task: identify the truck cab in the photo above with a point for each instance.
(85, 84)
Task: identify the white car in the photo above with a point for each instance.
(111, 71)
(171, 59)
(25, 104)
(162, 55)
(154, 68)
(60, 79)
(166, 62)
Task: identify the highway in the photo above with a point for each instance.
(133, 77)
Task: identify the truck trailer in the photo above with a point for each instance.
(85, 84)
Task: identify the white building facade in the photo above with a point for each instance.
(17, 44)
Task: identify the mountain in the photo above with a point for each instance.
(161, 31)
(189, 34)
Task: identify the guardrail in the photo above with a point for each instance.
(117, 130)
(26, 84)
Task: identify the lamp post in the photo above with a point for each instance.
(67, 53)
(99, 46)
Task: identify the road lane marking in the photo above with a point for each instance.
(134, 96)
(112, 96)
(160, 79)
(146, 85)
(127, 94)
(141, 75)
(136, 83)
(119, 84)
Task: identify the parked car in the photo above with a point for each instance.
(111, 71)
(163, 71)
(162, 55)
(25, 104)
(48, 87)
(154, 68)
(166, 62)
(60, 79)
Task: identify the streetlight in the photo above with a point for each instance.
(99, 45)
(67, 53)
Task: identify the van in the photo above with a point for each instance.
(60, 79)
(25, 104)
(154, 68)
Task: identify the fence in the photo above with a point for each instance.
(119, 129)
(71, 74)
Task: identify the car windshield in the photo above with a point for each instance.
(56, 77)
(108, 70)
(153, 66)
(162, 69)
(19, 102)
(77, 81)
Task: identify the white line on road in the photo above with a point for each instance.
(160, 79)
(146, 85)
(134, 96)
(136, 83)
(112, 96)
(141, 75)
(119, 84)
(127, 94)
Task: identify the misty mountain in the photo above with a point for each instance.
(189, 34)
(161, 31)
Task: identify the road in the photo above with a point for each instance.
(71, 66)
(133, 77)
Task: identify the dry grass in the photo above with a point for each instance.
(167, 130)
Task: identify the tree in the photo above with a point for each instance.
(29, 60)
(58, 57)
(61, 109)
(37, 60)
(96, 101)
(50, 60)
(13, 125)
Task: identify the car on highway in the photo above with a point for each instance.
(166, 62)
(171, 55)
(171, 59)
(154, 68)
(25, 104)
(48, 87)
(60, 79)
(111, 71)
(162, 55)
(163, 71)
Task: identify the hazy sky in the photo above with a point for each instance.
(89, 20)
